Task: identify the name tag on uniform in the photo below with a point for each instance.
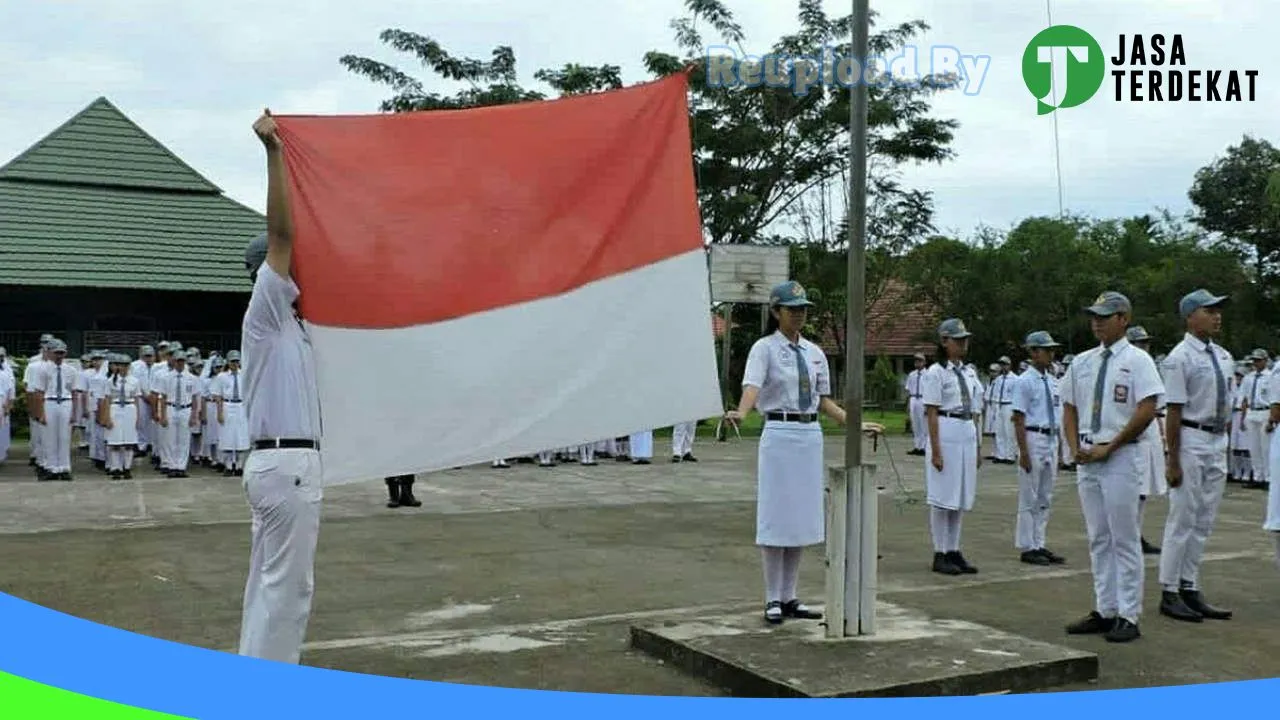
(1121, 393)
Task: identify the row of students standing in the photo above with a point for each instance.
(1118, 412)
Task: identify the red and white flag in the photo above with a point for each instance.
(494, 282)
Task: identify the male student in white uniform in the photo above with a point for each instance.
(1255, 410)
(1002, 398)
(1109, 397)
(35, 365)
(1197, 373)
(53, 406)
(1036, 429)
(282, 477)
(915, 406)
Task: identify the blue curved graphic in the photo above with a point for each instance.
(93, 660)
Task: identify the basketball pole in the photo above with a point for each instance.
(853, 503)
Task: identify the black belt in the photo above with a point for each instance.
(57, 400)
(1041, 430)
(233, 402)
(917, 396)
(791, 417)
(1212, 429)
(180, 407)
(957, 415)
(285, 443)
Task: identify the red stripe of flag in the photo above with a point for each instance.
(415, 218)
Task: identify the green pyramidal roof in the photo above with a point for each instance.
(100, 146)
(100, 203)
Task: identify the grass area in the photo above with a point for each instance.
(894, 421)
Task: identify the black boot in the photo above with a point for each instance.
(1195, 601)
(406, 492)
(1172, 605)
(942, 564)
(393, 489)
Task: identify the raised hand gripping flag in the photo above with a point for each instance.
(494, 282)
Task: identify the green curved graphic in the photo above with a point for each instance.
(22, 699)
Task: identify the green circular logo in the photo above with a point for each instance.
(1065, 59)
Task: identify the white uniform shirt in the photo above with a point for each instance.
(47, 380)
(1002, 388)
(132, 389)
(771, 366)
(1030, 399)
(1189, 374)
(179, 381)
(138, 370)
(8, 389)
(278, 375)
(160, 373)
(1131, 377)
(1273, 388)
(941, 388)
(224, 386)
(913, 383)
(35, 368)
(1254, 391)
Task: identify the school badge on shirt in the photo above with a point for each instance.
(1122, 393)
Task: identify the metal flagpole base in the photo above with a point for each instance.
(852, 510)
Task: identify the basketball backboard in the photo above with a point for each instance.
(746, 273)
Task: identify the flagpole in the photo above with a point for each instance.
(860, 497)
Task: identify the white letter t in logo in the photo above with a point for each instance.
(1056, 56)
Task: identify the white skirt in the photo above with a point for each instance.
(1151, 464)
(234, 434)
(211, 425)
(956, 486)
(790, 492)
(1272, 521)
(642, 444)
(124, 419)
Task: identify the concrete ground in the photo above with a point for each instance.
(530, 577)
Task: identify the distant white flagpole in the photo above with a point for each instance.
(1057, 151)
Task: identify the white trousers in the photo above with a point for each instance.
(1035, 491)
(682, 438)
(1258, 442)
(641, 445)
(120, 457)
(919, 425)
(284, 493)
(1006, 449)
(36, 448)
(177, 446)
(1193, 508)
(6, 436)
(57, 436)
(1109, 498)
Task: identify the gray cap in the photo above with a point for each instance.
(1040, 339)
(255, 253)
(219, 362)
(175, 347)
(1201, 298)
(1259, 354)
(233, 356)
(789, 294)
(953, 328)
(99, 354)
(163, 345)
(57, 346)
(917, 356)
(1004, 360)
(146, 350)
(1137, 333)
(1110, 303)
(46, 337)
(993, 367)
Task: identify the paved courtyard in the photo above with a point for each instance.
(529, 577)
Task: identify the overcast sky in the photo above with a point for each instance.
(196, 75)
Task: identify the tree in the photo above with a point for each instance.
(1235, 196)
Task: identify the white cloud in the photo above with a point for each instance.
(196, 74)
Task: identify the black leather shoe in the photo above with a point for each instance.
(773, 613)
(1172, 605)
(1194, 600)
(393, 491)
(688, 457)
(798, 610)
(1091, 624)
(1034, 557)
(1148, 548)
(406, 494)
(1054, 557)
(942, 564)
(1123, 631)
(958, 560)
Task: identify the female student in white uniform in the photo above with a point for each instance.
(118, 412)
(953, 410)
(1271, 524)
(788, 380)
